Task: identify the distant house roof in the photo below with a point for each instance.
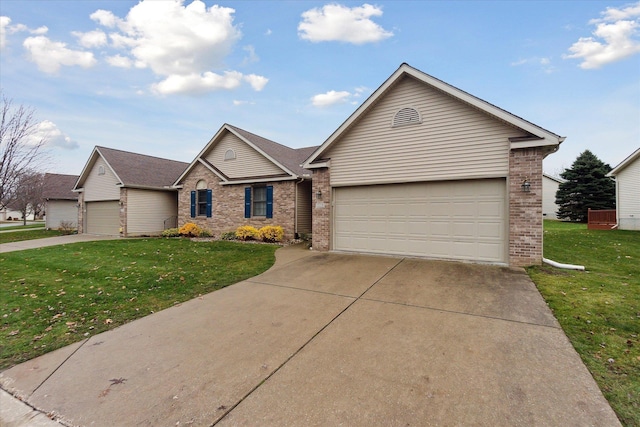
(135, 170)
(554, 178)
(287, 158)
(626, 162)
(537, 136)
(59, 187)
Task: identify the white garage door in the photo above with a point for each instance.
(103, 218)
(462, 220)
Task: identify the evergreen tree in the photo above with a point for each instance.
(586, 187)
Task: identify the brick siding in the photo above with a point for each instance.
(228, 205)
(525, 209)
(321, 210)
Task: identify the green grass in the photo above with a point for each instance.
(22, 227)
(54, 296)
(599, 309)
(18, 236)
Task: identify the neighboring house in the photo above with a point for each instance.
(627, 176)
(422, 168)
(127, 194)
(550, 186)
(61, 203)
(6, 213)
(240, 178)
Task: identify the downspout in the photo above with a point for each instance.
(565, 266)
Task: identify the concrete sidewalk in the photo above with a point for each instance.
(328, 339)
(51, 241)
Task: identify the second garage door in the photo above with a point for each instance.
(462, 220)
(103, 218)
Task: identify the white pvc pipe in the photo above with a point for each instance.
(565, 266)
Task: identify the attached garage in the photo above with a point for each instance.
(103, 218)
(424, 169)
(464, 220)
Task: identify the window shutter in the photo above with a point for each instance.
(247, 202)
(193, 204)
(269, 201)
(209, 200)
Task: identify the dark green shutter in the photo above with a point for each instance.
(193, 204)
(247, 202)
(269, 201)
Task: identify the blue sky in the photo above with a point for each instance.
(161, 77)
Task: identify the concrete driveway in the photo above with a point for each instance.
(329, 339)
(51, 241)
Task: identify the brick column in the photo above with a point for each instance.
(321, 210)
(123, 211)
(525, 209)
(81, 208)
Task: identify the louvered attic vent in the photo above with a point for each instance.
(406, 116)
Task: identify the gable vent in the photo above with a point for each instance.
(406, 116)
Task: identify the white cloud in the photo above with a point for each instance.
(6, 28)
(251, 55)
(238, 103)
(335, 22)
(615, 38)
(49, 56)
(91, 39)
(182, 44)
(104, 18)
(544, 63)
(119, 61)
(198, 83)
(54, 137)
(330, 98)
(257, 82)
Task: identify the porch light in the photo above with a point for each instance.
(526, 185)
(319, 194)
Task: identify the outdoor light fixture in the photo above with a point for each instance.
(526, 185)
(319, 194)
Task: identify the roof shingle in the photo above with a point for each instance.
(59, 187)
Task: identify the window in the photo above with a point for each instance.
(201, 202)
(229, 154)
(258, 201)
(100, 170)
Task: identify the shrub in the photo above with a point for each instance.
(229, 235)
(66, 227)
(247, 232)
(190, 230)
(171, 232)
(271, 233)
(205, 233)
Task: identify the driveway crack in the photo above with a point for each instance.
(295, 353)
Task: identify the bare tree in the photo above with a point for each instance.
(21, 150)
(28, 198)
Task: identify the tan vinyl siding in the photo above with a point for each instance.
(628, 188)
(454, 141)
(248, 162)
(101, 187)
(303, 207)
(147, 211)
(61, 210)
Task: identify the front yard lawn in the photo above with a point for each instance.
(54, 296)
(18, 236)
(599, 309)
